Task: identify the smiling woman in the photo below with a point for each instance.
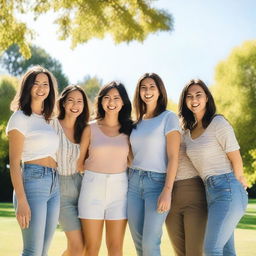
(34, 142)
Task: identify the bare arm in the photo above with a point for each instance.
(130, 156)
(84, 145)
(172, 147)
(16, 142)
(237, 164)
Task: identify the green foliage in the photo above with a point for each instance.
(16, 64)
(235, 94)
(91, 86)
(172, 106)
(80, 21)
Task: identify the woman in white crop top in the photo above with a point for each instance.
(103, 157)
(212, 147)
(34, 142)
(72, 119)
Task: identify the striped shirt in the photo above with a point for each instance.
(68, 151)
(208, 152)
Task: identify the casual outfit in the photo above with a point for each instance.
(40, 183)
(186, 220)
(146, 181)
(226, 197)
(104, 186)
(69, 180)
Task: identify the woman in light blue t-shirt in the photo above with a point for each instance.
(155, 146)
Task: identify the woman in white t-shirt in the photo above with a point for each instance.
(34, 142)
(72, 119)
(212, 147)
(155, 143)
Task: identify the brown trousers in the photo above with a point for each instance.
(186, 220)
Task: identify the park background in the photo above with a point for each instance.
(121, 40)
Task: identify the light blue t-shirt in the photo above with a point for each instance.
(148, 142)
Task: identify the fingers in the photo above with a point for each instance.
(162, 207)
(24, 221)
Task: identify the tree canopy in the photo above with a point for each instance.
(80, 21)
(235, 94)
(16, 64)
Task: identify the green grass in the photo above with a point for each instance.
(11, 242)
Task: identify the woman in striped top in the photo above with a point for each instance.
(72, 119)
(213, 149)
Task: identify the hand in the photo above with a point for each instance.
(164, 201)
(23, 213)
(80, 168)
(243, 181)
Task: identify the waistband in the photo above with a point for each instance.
(38, 167)
(105, 175)
(190, 181)
(230, 175)
(141, 172)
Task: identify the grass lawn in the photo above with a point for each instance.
(11, 242)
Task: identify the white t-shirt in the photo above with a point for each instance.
(208, 152)
(40, 138)
(148, 142)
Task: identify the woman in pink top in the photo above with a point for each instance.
(103, 157)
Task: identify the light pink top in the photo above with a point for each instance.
(107, 154)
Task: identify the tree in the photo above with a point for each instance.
(80, 21)
(91, 86)
(8, 87)
(16, 64)
(235, 94)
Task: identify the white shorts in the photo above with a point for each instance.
(103, 196)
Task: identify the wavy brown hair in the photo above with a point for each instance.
(139, 105)
(187, 117)
(83, 119)
(22, 99)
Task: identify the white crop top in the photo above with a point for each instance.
(40, 138)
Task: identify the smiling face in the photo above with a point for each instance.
(149, 92)
(74, 104)
(196, 100)
(112, 101)
(41, 88)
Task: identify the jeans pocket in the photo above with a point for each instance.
(32, 174)
(157, 177)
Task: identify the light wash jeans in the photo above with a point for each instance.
(227, 201)
(42, 192)
(145, 222)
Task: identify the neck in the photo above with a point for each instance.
(150, 111)
(199, 118)
(110, 120)
(37, 107)
(68, 122)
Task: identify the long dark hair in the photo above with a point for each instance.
(140, 106)
(187, 118)
(124, 115)
(83, 119)
(22, 99)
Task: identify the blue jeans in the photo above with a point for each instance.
(227, 201)
(145, 222)
(42, 192)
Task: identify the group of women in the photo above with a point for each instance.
(186, 172)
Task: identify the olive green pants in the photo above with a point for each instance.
(186, 220)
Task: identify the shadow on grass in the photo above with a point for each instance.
(6, 210)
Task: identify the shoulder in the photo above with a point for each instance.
(219, 121)
(18, 121)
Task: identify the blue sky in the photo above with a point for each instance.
(204, 33)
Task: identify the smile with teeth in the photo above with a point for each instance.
(40, 94)
(111, 107)
(148, 96)
(74, 110)
(195, 105)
